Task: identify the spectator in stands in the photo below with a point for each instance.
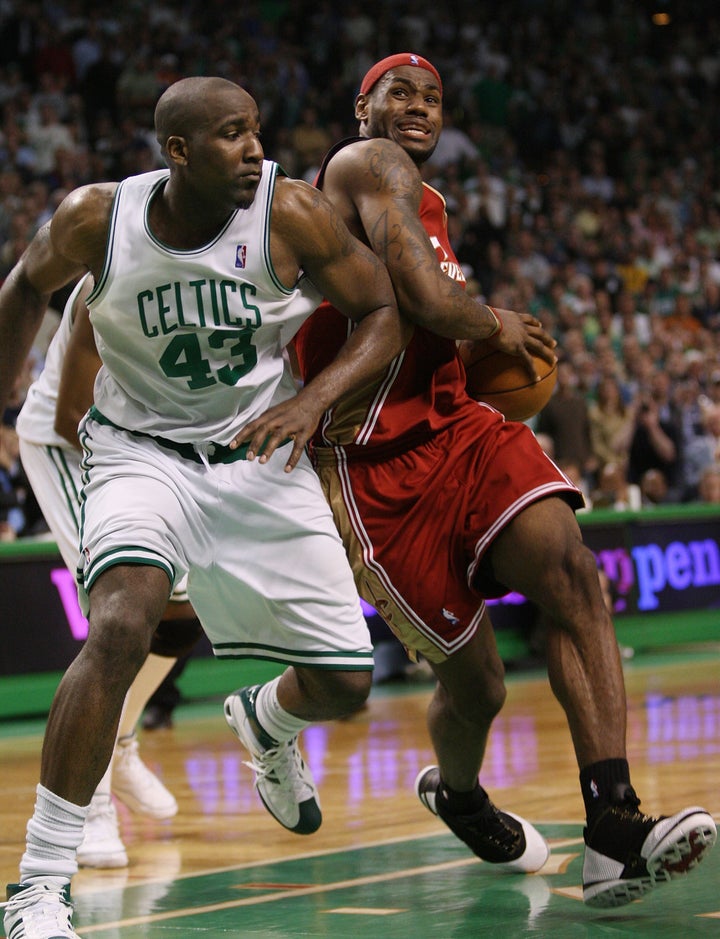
(532, 264)
(613, 490)
(609, 420)
(713, 389)
(12, 485)
(565, 419)
(310, 140)
(656, 437)
(630, 320)
(707, 307)
(137, 88)
(701, 451)
(709, 486)
(46, 137)
(455, 147)
(682, 321)
(654, 488)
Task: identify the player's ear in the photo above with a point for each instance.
(361, 107)
(176, 149)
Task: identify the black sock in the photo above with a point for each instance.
(463, 803)
(599, 782)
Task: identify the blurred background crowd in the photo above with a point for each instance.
(580, 162)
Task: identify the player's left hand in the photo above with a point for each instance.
(294, 419)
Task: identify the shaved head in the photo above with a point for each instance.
(190, 105)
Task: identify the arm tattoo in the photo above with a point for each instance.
(392, 238)
(341, 234)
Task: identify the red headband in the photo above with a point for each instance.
(392, 61)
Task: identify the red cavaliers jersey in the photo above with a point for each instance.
(421, 391)
(421, 479)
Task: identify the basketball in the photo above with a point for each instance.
(501, 380)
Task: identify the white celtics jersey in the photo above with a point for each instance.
(191, 341)
(36, 421)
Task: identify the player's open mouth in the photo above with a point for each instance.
(414, 130)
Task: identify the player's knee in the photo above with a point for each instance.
(475, 696)
(355, 690)
(117, 644)
(175, 638)
(344, 692)
(486, 702)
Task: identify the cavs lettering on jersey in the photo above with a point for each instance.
(191, 340)
(422, 390)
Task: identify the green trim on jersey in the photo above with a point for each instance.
(345, 661)
(97, 289)
(266, 241)
(179, 252)
(58, 458)
(134, 555)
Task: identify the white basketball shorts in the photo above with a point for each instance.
(268, 575)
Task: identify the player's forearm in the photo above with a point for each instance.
(21, 312)
(448, 311)
(378, 338)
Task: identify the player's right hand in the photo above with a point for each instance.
(524, 335)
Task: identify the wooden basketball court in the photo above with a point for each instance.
(381, 865)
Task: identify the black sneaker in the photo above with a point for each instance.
(506, 841)
(628, 853)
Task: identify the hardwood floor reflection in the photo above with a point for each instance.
(365, 768)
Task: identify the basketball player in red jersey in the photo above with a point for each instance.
(442, 503)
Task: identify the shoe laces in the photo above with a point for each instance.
(283, 766)
(490, 824)
(629, 807)
(42, 907)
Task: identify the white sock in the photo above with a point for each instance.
(146, 682)
(276, 722)
(53, 835)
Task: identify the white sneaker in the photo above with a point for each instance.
(38, 911)
(101, 845)
(137, 786)
(283, 781)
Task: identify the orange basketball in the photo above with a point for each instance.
(501, 380)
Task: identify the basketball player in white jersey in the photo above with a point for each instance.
(50, 452)
(202, 274)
